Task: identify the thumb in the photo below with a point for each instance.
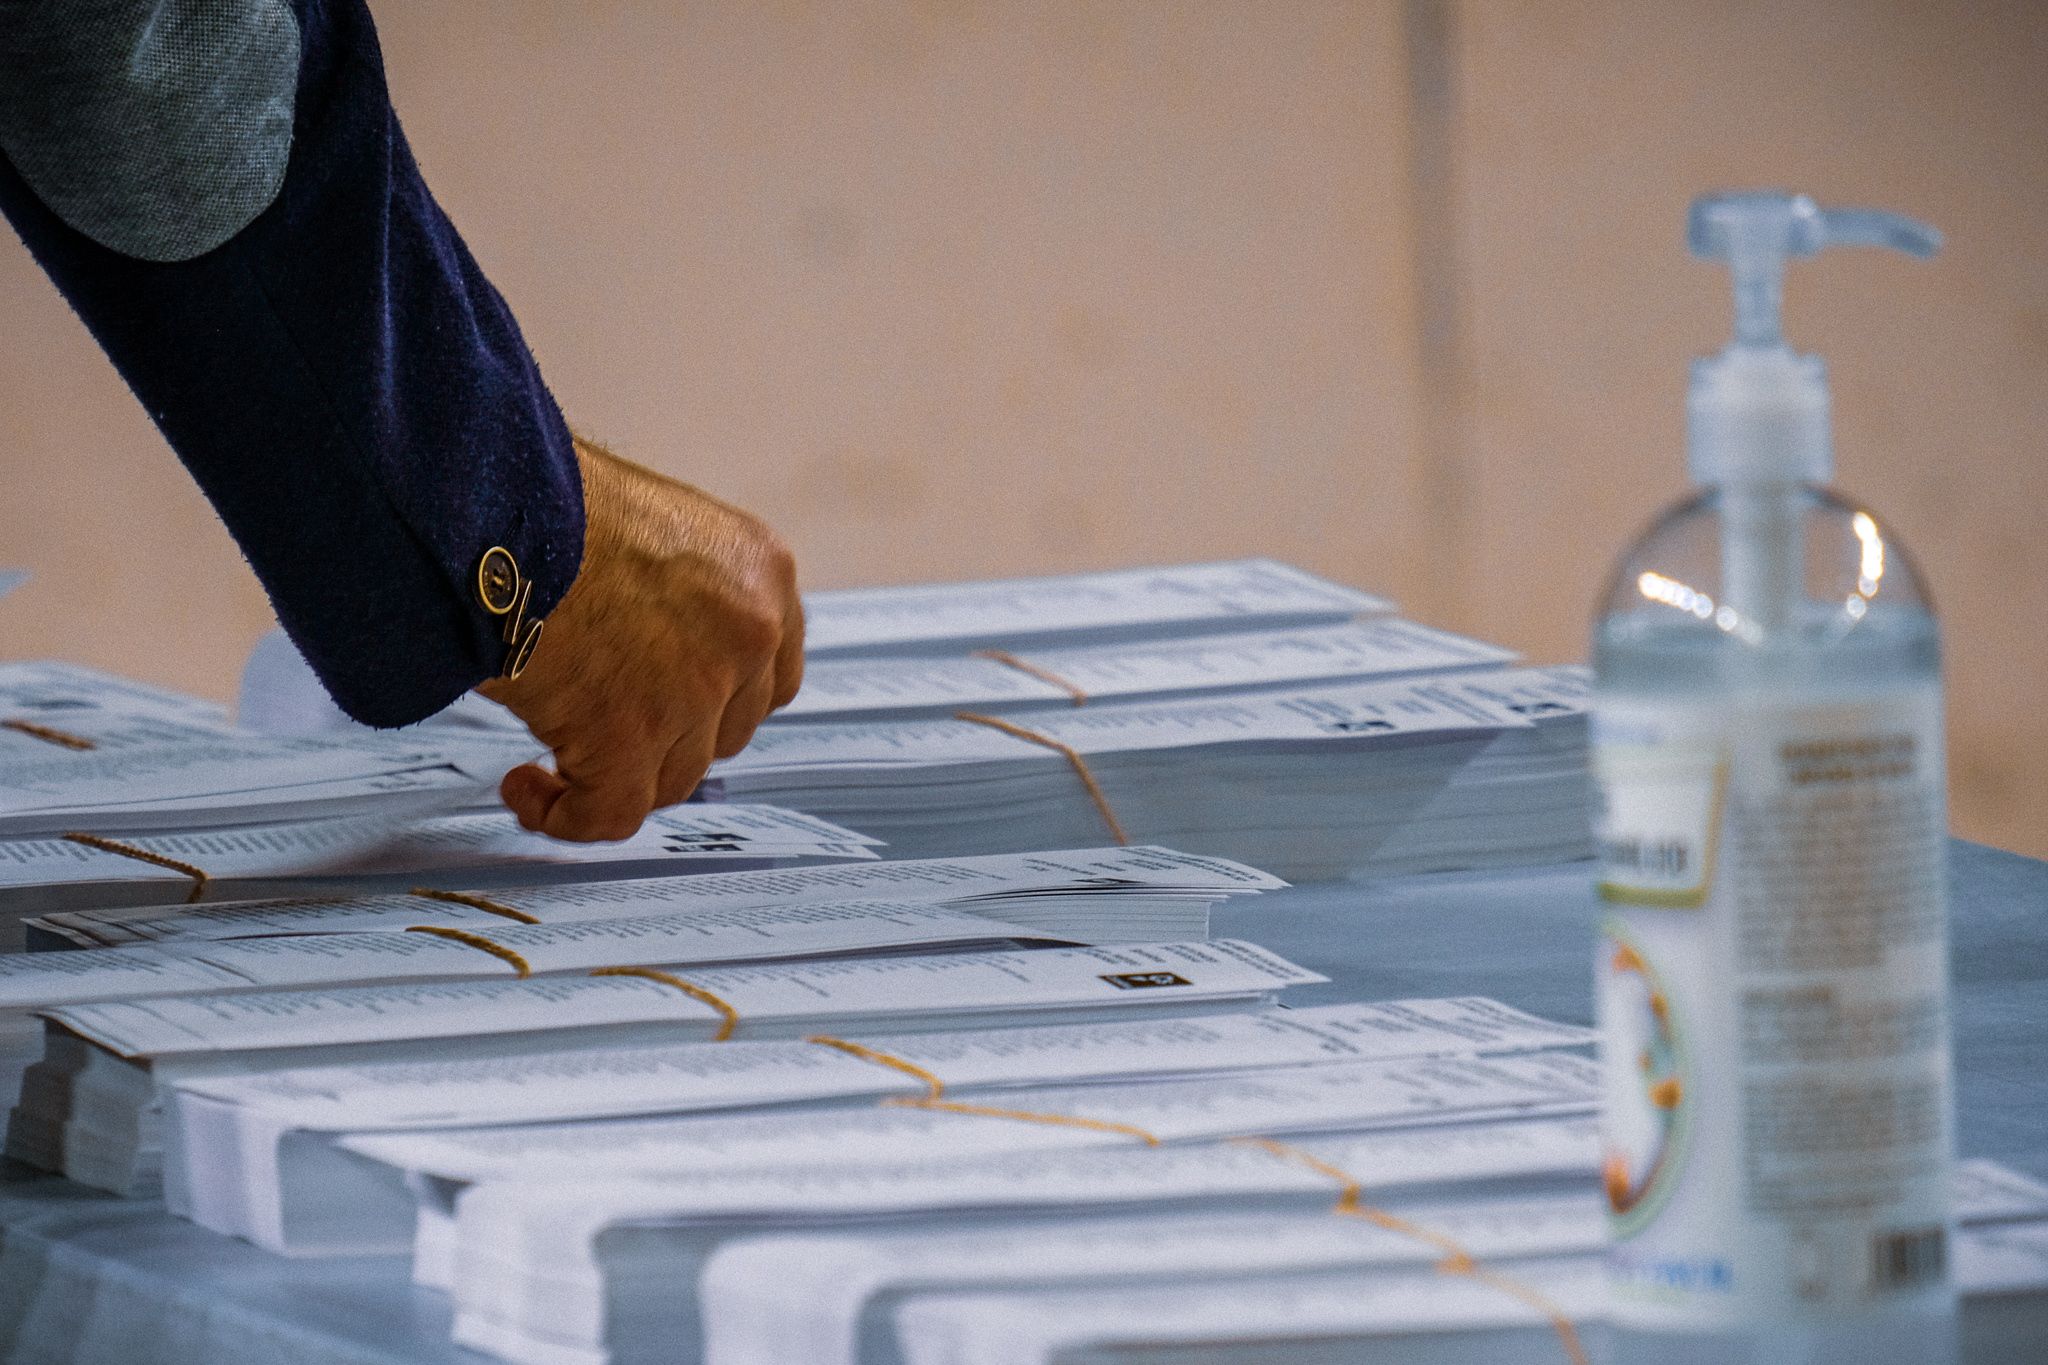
(600, 801)
(530, 791)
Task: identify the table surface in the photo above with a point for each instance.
(86, 1279)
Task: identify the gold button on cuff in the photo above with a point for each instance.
(498, 581)
(505, 592)
(522, 653)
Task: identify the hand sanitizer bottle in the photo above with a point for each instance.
(1772, 969)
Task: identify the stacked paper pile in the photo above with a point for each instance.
(966, 1102)
(192, 988)
(1464, 770)
(82, 751)
(1052, 678)
(1121, 605)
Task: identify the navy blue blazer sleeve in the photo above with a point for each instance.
(344, 384)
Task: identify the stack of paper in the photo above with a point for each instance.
(1046, 679)
(1406, 1310)
(600, 1268)
(89, 1107)
(605, 1271)
(1122, 605)
(870, 1297)
(83, 752)
(259, 1155)
(476, 850)
(1462, 771)
(1132, 894)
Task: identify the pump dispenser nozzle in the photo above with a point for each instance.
(1759, 410)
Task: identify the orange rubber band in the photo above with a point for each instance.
(1073, 756)
(463, 936)
(1456, 1259)
(730, 1017)
(143, 855)
(868, 1054)
(489, 907)
(1028, 1116)
(49, 735)
(1045, 675)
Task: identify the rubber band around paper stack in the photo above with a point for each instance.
(1044, 675)
(1072, 755)
(478, 941)
(474, 902)
(1457, 1260)
(119, 849)
(49, 735)
(730, 1017)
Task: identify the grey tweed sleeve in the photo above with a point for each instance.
(158, 128)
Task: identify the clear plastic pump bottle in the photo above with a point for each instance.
(1773, 961)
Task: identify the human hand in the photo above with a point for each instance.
(680, 634)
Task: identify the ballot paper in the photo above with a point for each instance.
(1351, 1313)
(771, 999)
(1457, 771)
(1074, 889)
(830, 1299)
(1055, 678)
(476, 850)
(752, 933)
(89, 1106)
(251, 1174)
(1348, 1097)
(596, 1265)
(607, 1082)
(85, 753)
(1123, 604)
(51, 692)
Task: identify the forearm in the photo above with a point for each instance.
(329, 362)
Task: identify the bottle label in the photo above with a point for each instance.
(1772, 992)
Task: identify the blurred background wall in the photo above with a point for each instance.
(1394, 290)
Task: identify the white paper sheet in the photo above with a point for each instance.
(741, 934)
(1361, 712)
(480, 845)
(1352, 1097)
(870, 688)
(1131, 602)
(940, 984)
(774, 1299)
(957, 880)
(603, 1081)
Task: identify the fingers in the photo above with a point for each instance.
(684, 767)
(529, 791)
(604, 794)
(744, 712)
(789, 657)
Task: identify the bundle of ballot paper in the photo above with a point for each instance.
(1129, 894)
(1444, 772)
(1074, 609)
(89, 1107)
(1051, 678)
(476, 849)
(1250, 1287)
(81, 751)
(259, 1154)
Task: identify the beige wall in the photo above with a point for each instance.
(1394, 290)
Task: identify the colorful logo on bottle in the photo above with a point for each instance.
(1648, 1104)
